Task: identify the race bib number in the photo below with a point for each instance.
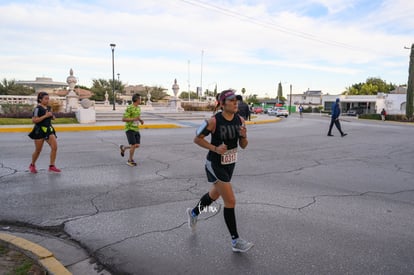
(229, 157)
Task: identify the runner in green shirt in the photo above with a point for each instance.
(132, 118)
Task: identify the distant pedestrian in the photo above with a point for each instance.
(383, 114)
(43, 131)
(132, 118)
(227, 133)
(336, 112)
(300, 110)
(244, 110)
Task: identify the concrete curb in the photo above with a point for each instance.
(37, 253)
(263, 121)
(82, 127)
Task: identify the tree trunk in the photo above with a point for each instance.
(410, 86)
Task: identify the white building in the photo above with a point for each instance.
(308, 98)
(394, 103)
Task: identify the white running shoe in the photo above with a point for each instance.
(241, 245)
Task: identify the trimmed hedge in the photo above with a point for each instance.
(197, 108)
(30, 114)
(370, 116)
(402, 118)
(26, 110)
(310, 109)
(16, 108)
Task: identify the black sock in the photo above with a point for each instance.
(204, 201)
(230, 219)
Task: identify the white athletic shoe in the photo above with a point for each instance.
(241, 245)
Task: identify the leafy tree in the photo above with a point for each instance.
(382, 86)
(369, 89)
(99, 87)
(372, 86)
(410, 87)
(119, 87)
(209, 93)
(184, 95)
(157, 93)
(243, 91)
(9, 87)
(252, 99)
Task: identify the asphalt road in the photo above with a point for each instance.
(312, 204)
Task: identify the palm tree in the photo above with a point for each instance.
(6, 86)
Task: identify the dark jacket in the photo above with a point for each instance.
(336, 110)
(244, 110)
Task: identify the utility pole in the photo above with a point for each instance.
(201, 77)
(188, 81)
(410, 87)
(290, 99)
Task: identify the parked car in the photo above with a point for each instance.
(266, 110)
(278, 111)
(282, 112)
(272, 112)
(257, 110)
(352, 113)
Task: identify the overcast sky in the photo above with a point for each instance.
(323, 45)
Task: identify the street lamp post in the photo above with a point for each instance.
(119, 84)
(188, 80)
(290, 99)
(113, 74)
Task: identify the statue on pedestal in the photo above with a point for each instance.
(71, 80)
(175, 88)
(72, 100)
(175, 103)
(106, 99)
(149, 98)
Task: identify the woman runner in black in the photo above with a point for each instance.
(43, 131)
(228, 131)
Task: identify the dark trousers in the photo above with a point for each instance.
(337, 124)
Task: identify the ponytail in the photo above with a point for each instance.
(217, 107)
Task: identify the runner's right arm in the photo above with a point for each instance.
(200, 139)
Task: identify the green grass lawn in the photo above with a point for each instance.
(24, 121)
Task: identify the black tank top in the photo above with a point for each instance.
(41, 111)
(227, 132)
